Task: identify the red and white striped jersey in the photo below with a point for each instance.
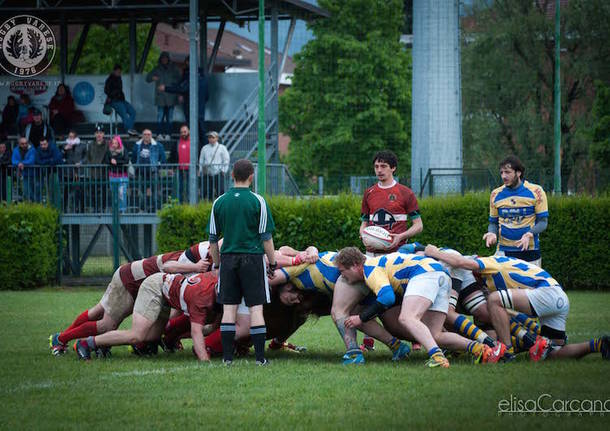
(195, 295)
(133, 273)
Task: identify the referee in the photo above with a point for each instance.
(244, 220)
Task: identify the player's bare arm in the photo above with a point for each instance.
(173, 267)
(199, 342)
(450, 258)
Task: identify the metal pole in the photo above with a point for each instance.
(293, 22)
(114, 187)
(133, 50)
(557, 96)
(262, 156)
(193, 100)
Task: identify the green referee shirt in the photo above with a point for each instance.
(243, 219)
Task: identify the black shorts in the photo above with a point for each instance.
(243, 275)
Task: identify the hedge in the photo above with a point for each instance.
(28, 257)
(573, 247)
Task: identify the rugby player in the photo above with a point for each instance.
(324, 277)
(194, 295)
(524, 287)
(518, 213)
(117, 302)
(425, 285)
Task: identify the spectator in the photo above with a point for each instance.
(181, 154)
(75, 154)
(38, 129)
(23, 158)
(214, 162)
(97, 174)
(147, 155)
(10, 113)
(24, 116)
(117, 159)
(116, 98)
(182, 88)
(5, 162)
(47, 157)
(165, 73)
(61, 110)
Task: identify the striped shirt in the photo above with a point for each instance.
(133, 273)
(194, 295)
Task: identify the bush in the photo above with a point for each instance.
(573, 247)
(29, 235)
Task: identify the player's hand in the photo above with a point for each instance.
(353, 322)
(524, 242)
(271, 270)
(431, 250)
(203, 265)
(490, 239)
(396, 239)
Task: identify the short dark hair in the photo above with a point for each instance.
(386, 156)
(349, 257)
(515, 163)
(242, 169)
(117, 66)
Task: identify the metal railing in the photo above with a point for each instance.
(142, 189)
(240, 133)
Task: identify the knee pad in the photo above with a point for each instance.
(506, 297)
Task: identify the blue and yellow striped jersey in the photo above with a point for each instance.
(320, 276)
(388, 275)
(516, 212)
(501, 273)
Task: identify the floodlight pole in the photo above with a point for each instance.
(557, 97)
(262, 156)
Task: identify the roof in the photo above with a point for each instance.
(170, 11)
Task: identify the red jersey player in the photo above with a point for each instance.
(389, 204)
(194, 295)
(117, 302)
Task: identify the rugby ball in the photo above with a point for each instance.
(376, 238)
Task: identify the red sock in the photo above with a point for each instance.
(213, 343)
(176, 326)
(82, 318)
(81, 331)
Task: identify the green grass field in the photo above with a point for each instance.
(307, 391)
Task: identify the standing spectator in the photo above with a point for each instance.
(97, 174)
(182, 88)
(181, 154)
(38, 129)
(117, 159)
(47, 157)
(10, 113)
(147, 155)
(61, 110)
(24, 117)
(75, 154)
(24, 157)
(165, 73)
(214, 161)
(518, 213)
(244, 220)
(116, 98)
(5, 162)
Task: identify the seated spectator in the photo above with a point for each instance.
(37, 129)
(10, 113)
(113, 88)
(75, 153)
(5, 163)
(118, 160)
(96, 152)
(147, 154)
(24, 116)
(23, 158)
(61, 110)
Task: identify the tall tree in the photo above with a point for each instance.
(351, 91)
(508, 79)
